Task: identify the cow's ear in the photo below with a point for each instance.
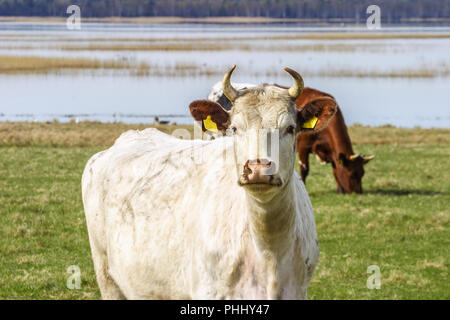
(211, 115)
(343, 159)
(316, 115)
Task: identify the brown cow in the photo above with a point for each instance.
(331, 145)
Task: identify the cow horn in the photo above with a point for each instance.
(354, 156)
(298, 85)
(230, 92)
(368, 158)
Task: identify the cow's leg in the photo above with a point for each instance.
(108, 288)
(303, 160)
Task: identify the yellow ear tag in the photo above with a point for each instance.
(311, 123)
(209, 124)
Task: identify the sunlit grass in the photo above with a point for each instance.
(90, 134)
(400, 224)
(71, 134)
(30, 65)
(47, 65)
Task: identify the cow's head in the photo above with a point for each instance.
(349, 171)
(264, 122)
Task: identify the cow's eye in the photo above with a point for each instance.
(290, 130)
(234, 130)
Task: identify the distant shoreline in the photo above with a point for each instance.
(224, 20)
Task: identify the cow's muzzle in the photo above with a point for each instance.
(260, 172)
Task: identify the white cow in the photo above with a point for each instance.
(194, 219)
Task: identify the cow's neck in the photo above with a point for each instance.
(272, 225)
(341, 139)
(270, 221)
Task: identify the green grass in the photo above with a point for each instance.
(42, 225)
(401, 224)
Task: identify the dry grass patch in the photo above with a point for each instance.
(19, 65)
(391, 135)
(103, 134)
(41, 65)
(71, 134)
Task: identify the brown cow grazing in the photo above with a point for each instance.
(331, 145)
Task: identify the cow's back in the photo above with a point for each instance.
(149, 205)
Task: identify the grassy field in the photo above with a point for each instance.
(39, 65)
(401, 223)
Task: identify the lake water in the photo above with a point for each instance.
(402, 101)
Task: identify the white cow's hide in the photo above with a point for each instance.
(167, 219)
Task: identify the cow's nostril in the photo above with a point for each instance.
(260, 171)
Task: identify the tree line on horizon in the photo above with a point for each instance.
(309, 9)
